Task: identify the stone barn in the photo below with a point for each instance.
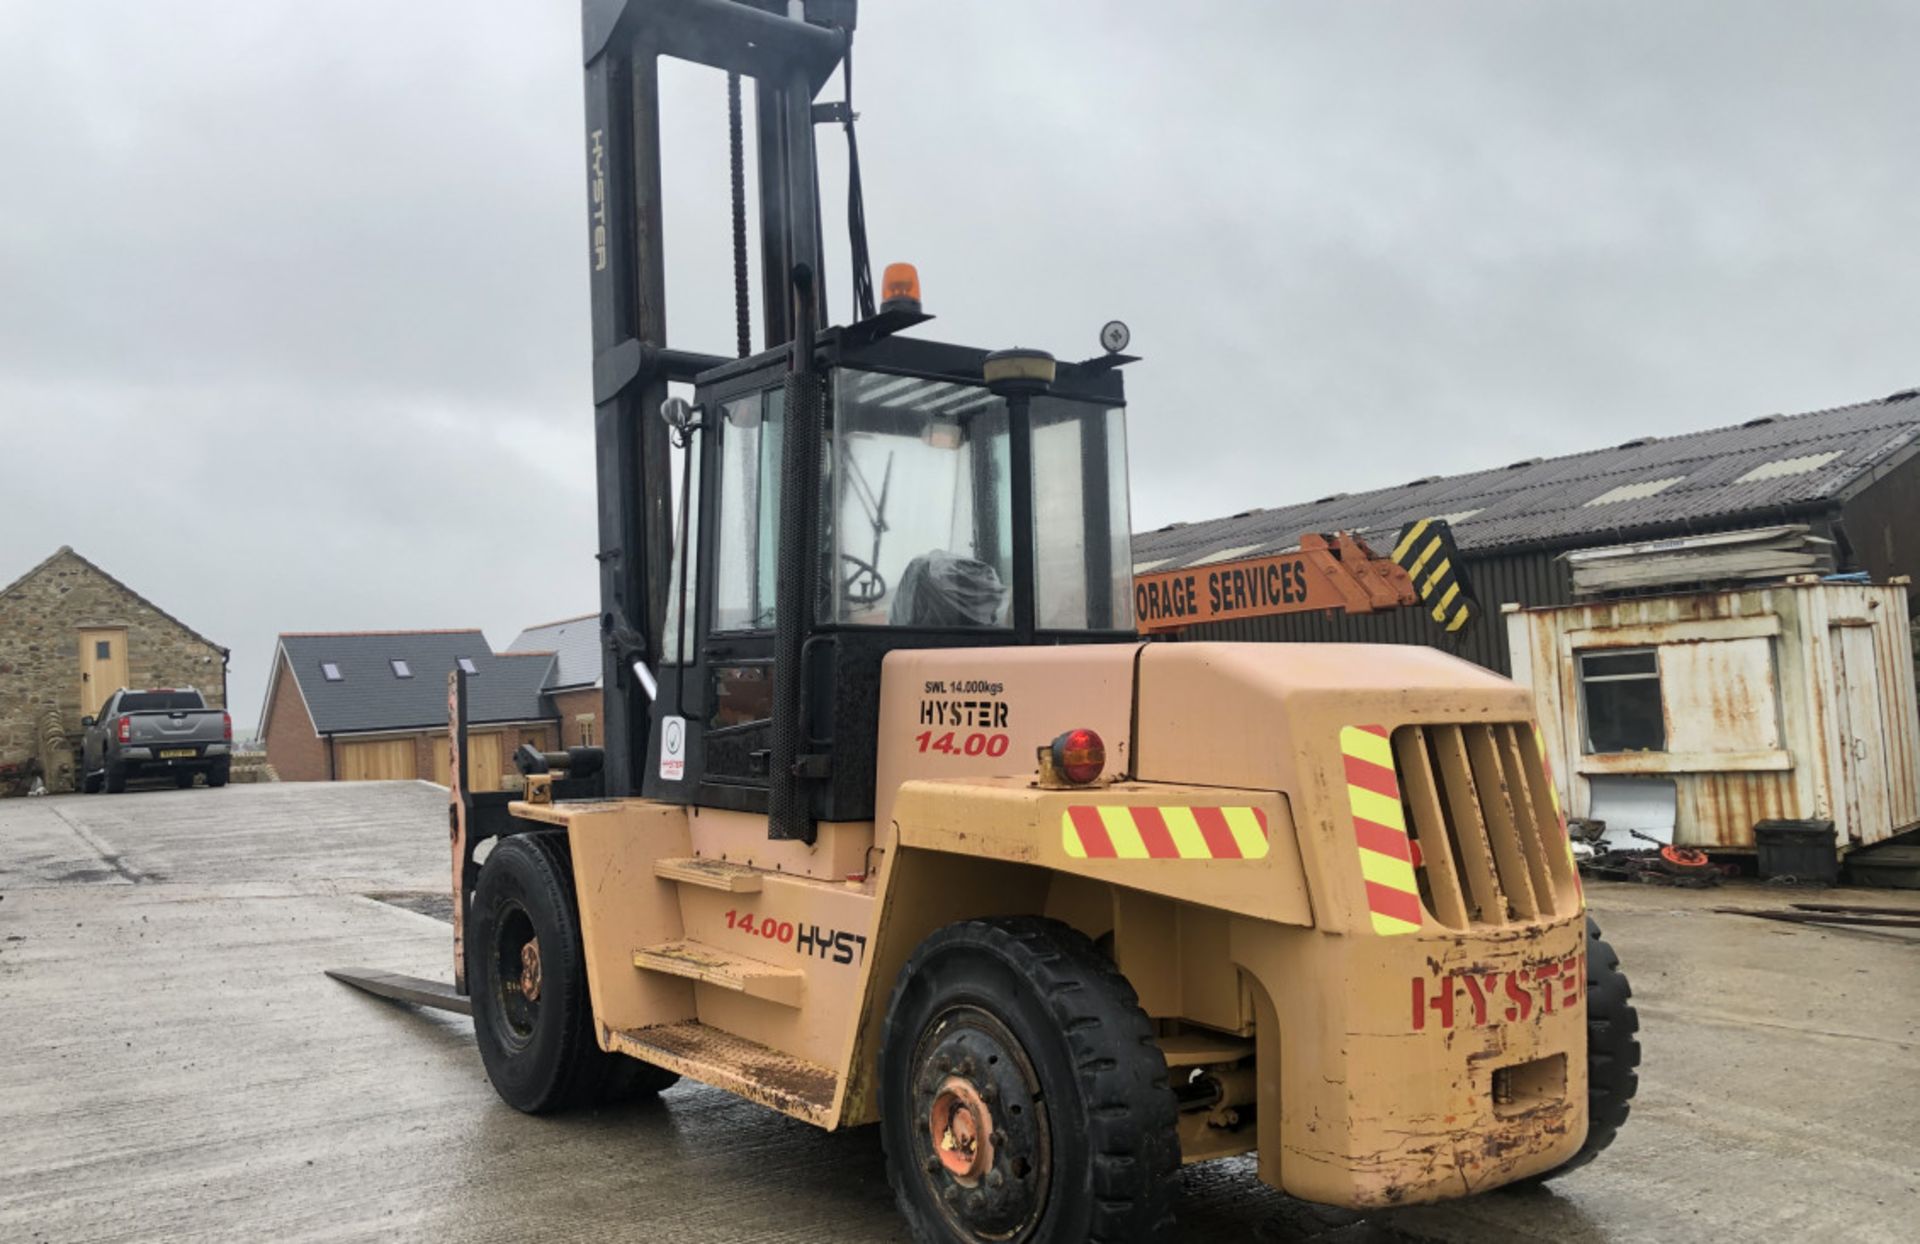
(70, 636)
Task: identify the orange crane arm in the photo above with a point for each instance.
(1338, 572)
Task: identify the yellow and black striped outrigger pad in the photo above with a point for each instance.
(1426, 551)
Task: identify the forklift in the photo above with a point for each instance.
(899, 820)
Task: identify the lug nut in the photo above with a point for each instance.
(995, 1178)
(989, 1093)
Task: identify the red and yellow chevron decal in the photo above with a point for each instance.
(1117, 832)
(1380, 825)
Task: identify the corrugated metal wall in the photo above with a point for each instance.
(1530, 578)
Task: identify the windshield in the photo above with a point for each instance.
(921, 508)
(160, 701)
(921, 504)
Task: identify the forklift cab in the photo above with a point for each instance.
(958, 508)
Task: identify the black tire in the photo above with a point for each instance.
(539, 1047)
(183, 780)
(1613, 1054)
(116, 779)
(90, 783)
(1025, 1021)
(219, 771)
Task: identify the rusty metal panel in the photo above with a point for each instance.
(1720, 696)
(1754, 722)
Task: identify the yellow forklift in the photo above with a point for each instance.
(898, 819)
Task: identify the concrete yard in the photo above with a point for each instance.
(173, 1065)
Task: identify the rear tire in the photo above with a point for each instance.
(116, 779)
(217, 775)
(527, 976)
(1613, 1055)
(1022, 1094)
(90, 783)
(183, 780)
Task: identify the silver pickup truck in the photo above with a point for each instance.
(153, 733)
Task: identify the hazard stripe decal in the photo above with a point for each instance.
(1426, 551)
(1380, 828)
(1118, 832)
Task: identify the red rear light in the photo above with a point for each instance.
(123, 730)
(1079, 756)
(226, 722)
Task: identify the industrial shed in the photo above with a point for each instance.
(1851, 474)
(372, 705)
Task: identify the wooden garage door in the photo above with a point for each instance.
(485, 764)
(376, 760)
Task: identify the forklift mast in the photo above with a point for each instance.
(789, 51)
(769, 704)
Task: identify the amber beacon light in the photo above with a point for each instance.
(900, 288)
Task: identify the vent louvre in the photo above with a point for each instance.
(1491, 848)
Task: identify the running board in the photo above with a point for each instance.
(759, 1073)
(436, 994)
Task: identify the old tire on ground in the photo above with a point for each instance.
(1023, 1096)
(116, 779)
(527, 976)
(1613, 1054)
(220, 770)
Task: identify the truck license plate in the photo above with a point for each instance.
(176, 753)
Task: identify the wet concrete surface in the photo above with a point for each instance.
(173, 1065)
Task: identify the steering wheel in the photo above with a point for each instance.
(865, 585)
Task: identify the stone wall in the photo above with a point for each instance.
(40, 619)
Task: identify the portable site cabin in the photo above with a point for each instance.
(1696, 715)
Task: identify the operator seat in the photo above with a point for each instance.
(940, 589)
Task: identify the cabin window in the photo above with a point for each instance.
(1620, 689)
(748, 546)
(1082, 540)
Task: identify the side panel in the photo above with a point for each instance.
(624, 907)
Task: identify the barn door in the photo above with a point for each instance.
(376, 760)
(1863, 794)
(484, 761)
(103, 666)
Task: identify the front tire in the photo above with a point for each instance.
(1023, 1096)
(527, 977)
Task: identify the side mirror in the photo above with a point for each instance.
(86, 723)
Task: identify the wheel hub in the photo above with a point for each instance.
(962, 1131)
(985, 1149)
(530, 971)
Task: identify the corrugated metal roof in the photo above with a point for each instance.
(575, 642)
(370, 696)
(1814, 457)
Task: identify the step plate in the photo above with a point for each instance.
(793, 1086)
(713, 874)
(713, 966)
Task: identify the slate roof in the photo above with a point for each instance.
(370, 696)
(1759, 468)
(575, 643)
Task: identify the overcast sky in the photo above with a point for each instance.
(293, 309)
